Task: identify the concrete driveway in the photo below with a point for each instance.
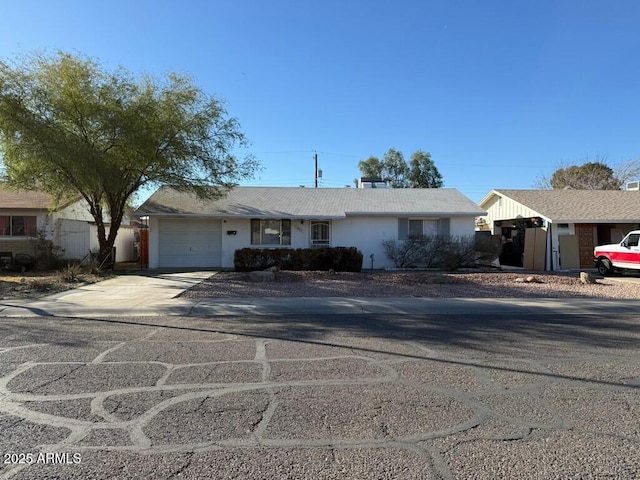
(519, 394)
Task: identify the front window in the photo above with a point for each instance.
(415, 228)
(418, 228)
(320, 233)
(632, 240)
(17, 226)
(270, 232)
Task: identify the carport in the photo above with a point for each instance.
(563, 225)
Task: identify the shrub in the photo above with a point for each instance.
(416, 251)
(48, 255)
(488, 248)
(450, 253)
(460, 252)
(70, 273)
(406, 254)
(340, 259)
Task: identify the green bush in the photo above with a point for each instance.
(340, 259)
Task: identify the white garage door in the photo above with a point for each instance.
(190, 243)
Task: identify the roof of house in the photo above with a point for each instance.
(577, 206)
(24, 199)
(290, 202)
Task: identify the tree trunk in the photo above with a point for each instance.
(106, 260)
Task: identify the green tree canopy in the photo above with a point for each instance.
(423, 173)
(371, 167)
(395, 169)
(420, 172)
(591, 175)
(69, 126)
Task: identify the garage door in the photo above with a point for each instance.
(190, 243)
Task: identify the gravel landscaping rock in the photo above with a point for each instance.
(474, 284)
(40, 284)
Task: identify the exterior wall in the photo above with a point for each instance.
(80, 211)
(462, 226)
(587, 240)
(73, 236)
(154, 247)
(556, 233)
(43, 220)
(25, 244)
(124, 243)
(501, 208)
(366, 234)
(362, 232)
(242, 226)
(69, 229)
(77, 237)
(19, 245)
(76, 211)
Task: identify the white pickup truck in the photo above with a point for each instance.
(619, 256)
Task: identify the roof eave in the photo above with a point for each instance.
(227, 216)
(591, 220)
(421, 213)
(488, 197)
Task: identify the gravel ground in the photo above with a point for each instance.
(494, 284)
(39, 284)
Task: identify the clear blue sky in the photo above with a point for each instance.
(498, 91)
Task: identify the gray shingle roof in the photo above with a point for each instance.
(579, 206)
(296, 202)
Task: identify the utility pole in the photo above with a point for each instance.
(315, 156)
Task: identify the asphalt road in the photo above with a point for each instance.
(535, 396)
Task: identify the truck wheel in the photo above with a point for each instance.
(604, 267)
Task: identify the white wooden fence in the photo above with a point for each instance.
(77, 237)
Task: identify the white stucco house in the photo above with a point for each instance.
(25, 213)
(572, 222)
(187, 232)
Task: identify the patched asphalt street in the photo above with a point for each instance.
(321, 397)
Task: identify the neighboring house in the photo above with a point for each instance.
(572, 222)
(187, 232)
(27, 215)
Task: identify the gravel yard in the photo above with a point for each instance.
(473, 284)
(40, 284)
(494, 284)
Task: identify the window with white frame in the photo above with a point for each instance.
(17, 226)
(320, 233)
(270, 232)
